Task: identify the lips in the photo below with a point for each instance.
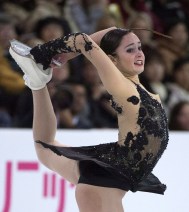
(138, 62)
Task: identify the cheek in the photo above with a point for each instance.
(125, 66)
(128, 61)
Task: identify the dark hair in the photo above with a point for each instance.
(63, 98)
(153, 55)
(172, 24)
(42, 23)
(173, 122)
(112, 39)
(179, 63)
(5, 19)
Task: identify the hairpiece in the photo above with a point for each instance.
(153, 31)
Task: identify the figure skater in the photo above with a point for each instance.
(102, 173)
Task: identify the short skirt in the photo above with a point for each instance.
(94, 171)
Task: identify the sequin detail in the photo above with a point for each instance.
(147, 146)
(115, 106)
(133, 99)
(137, 157)
(141, 151)
(43, 53)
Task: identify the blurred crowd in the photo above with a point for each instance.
(78, 96)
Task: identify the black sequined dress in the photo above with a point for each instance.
(128, 163)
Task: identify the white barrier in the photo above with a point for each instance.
(27, 186)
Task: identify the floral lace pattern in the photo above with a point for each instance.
(133, 99)
(115, 105)
(138, 156)
(43, 53)
(142, 151)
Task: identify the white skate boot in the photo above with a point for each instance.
(35, 77)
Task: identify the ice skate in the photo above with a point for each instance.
(35, 77)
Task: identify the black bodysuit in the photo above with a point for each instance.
(143, 136)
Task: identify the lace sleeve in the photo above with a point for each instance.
(44, 53)
(82, 43)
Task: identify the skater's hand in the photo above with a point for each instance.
(60, 58)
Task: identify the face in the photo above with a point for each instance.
(79, 102)
(129, 57)
(144, 35)
(180, 35)
(90, 74)
(183, 117)
(182, 76)
(154, 71)
(51, 31)
(7, 33)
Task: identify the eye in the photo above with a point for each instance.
(140, 48)
(130, 50)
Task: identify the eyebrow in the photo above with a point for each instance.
(132, 44)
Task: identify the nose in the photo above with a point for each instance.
(140, 54)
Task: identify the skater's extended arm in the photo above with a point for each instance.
(44, 56)
(82, 43)
(96, 37)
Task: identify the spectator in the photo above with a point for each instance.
(43, 9)
(51, 28)
(5, 118)
(181, 73)
(153, 76)
(179, 118)
(11, 86)
(175, 48)
(178, 88)
(10, 81)
(166, 10)
(142, 20)
(17, 11)
(30, 39)
(76, 115)
(84, 14)
(103, 115)
(24, 110)
(131, 8)
(7, 32)
(153, 79)
(106, 21)
(91, 80)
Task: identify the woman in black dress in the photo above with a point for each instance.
(105, 172)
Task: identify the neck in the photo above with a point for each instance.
(134, 79)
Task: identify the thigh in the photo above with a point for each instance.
(95, 198)
(64, 166)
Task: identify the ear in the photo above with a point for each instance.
(113, 59)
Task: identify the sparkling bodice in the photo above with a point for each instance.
(144, 140)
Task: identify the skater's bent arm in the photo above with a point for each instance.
(96, 37)
(113, 80)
